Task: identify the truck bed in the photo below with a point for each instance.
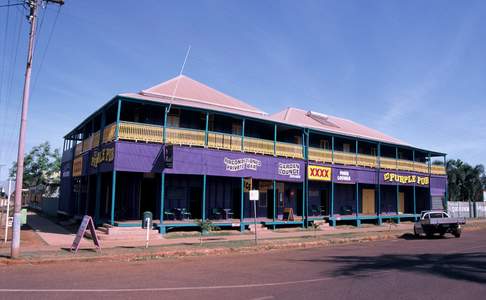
(443, 221)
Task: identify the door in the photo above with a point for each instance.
(401, 203)
(368, 202)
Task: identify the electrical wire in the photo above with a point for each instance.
(47, 48)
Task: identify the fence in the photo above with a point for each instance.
(467, 209)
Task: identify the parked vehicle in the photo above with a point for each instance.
(438, 221)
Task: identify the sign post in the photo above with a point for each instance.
(254, 197)
(87, 222)
(7, 218)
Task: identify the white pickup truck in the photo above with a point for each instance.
(438, 221)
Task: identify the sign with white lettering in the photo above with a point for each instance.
(239, 164)
(291, 170)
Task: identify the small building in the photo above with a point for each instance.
(196, 153)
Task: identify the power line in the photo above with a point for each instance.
(46, 49)
(9, 4)
(8, 93)
(4, 51)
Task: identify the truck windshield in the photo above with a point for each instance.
(436, 215)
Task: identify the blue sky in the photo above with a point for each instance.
(413, 69)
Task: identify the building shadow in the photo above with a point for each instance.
(459, 266)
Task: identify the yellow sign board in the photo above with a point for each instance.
(404, 179)
(247, 184)
(319, 173)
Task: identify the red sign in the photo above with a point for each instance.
(87, 222)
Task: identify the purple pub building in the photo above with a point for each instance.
(187, 152)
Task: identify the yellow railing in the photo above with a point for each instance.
(78, 166)
(224, 141)
(189, 137)
(344, 158)
(289, 150)
(96, 139)
(405, 165)
(79, 149)
(421, 167)
(369, 161)
(438, 170)
(255, 145)
(87, 143)
(388, 163)
(320, 155)
(109, 133)
(140, 132)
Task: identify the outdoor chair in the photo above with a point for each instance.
(315, 210)
(169, 215)
(185, 214)
(216, 213)
(229, 213)
(346, 210)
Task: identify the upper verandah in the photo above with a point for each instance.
(186, 92)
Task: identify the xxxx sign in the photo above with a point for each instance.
(319, 173)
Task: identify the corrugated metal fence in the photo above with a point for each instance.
(467, 209)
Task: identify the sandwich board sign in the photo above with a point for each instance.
(85, 224)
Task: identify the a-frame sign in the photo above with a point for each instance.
(87, 222)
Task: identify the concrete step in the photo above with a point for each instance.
(139, 234)
(259, 227)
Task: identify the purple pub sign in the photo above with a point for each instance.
(137, 157)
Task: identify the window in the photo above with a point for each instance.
(346, 148)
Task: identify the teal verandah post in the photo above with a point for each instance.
(275, 140)
(164, 133)
(98, 175)
(162, 200)
(379, 184)
(118, 112)
(242, 198)
(113, 195)
(274, 199)
(414, 203)
(356, 157)
(203, 214)
(430, 191)
(243, 135)
(303, 204)
(332, 149)
(306, 179)
(398, 188)
(414, 197)
(206, 130)
(333, 221)
(358, 221)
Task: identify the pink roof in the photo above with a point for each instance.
(313, 120)
(186, 91)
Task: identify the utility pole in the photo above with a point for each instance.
(32, 18)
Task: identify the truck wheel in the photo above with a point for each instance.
(415, 233)
(429, 234)
(457, 233)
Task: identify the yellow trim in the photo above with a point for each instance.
(189, 137)
(77, 166)
(321, 155)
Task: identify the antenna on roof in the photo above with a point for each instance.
(178, 78)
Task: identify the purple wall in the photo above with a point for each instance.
(138, 157)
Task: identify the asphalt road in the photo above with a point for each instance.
(441, 268)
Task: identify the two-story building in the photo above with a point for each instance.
(185, 151)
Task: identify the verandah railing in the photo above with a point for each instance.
(216, 140)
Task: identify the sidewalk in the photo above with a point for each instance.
(58, 241)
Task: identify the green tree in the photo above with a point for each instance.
(465, 182)
(41, 166)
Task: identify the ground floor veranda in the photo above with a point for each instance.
(178, 201)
